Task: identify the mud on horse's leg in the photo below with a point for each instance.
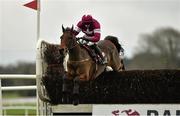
(65, 90)
(76, 91)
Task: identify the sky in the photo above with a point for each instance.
(125, 19)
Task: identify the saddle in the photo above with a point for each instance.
(95, 57)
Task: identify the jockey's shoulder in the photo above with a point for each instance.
(96, 23)
(79, 24)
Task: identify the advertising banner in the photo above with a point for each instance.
(137, 110)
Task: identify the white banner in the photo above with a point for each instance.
(137, 110)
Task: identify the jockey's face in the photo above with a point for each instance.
(87, 24)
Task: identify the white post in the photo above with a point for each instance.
(38, 36)
(38, 19)
(1, 110)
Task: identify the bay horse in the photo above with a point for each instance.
(80, 65)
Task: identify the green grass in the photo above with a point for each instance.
(19, 112)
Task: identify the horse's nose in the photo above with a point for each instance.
(63, 51)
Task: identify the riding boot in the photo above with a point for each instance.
(99, 52)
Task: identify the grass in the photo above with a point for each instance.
(17, 109)
(20, 112)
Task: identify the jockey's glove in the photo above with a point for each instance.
(83, 41)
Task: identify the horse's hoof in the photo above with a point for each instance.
(76, 99)
(75, 102)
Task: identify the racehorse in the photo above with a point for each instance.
(81, 66)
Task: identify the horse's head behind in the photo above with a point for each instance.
(68, 39)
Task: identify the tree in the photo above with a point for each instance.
(162, 46)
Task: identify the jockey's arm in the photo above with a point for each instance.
(76, 32)
(78, 29)
(97, 33)
(94, 38)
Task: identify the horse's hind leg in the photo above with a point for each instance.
(117, 63)
(76, 91)
(65, 90)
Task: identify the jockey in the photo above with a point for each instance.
(91, 29)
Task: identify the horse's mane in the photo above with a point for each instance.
(115, 41)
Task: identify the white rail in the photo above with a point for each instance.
(11, 88)
(17, 76)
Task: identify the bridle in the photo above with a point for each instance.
(72, 43)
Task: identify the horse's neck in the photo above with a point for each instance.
(75, 54)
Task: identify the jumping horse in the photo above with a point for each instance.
(80, 65)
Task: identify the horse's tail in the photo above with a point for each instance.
(115, 41)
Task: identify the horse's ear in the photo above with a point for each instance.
(63, 29)
(72, 28)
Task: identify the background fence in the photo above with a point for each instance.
(3, 109)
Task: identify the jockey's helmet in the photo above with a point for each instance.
(87, 19)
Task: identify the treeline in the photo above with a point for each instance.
(157, 50)
(19, 68)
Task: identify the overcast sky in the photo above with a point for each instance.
(126, 19)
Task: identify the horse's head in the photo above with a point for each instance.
(68, 39)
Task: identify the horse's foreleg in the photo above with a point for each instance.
(65, 90)
(122, 63)
(76, 91)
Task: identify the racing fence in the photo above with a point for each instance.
(142, 88)
(131, 86)
(148, 86)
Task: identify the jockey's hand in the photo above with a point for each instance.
(83, 41)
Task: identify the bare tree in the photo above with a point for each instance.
(162, 45)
